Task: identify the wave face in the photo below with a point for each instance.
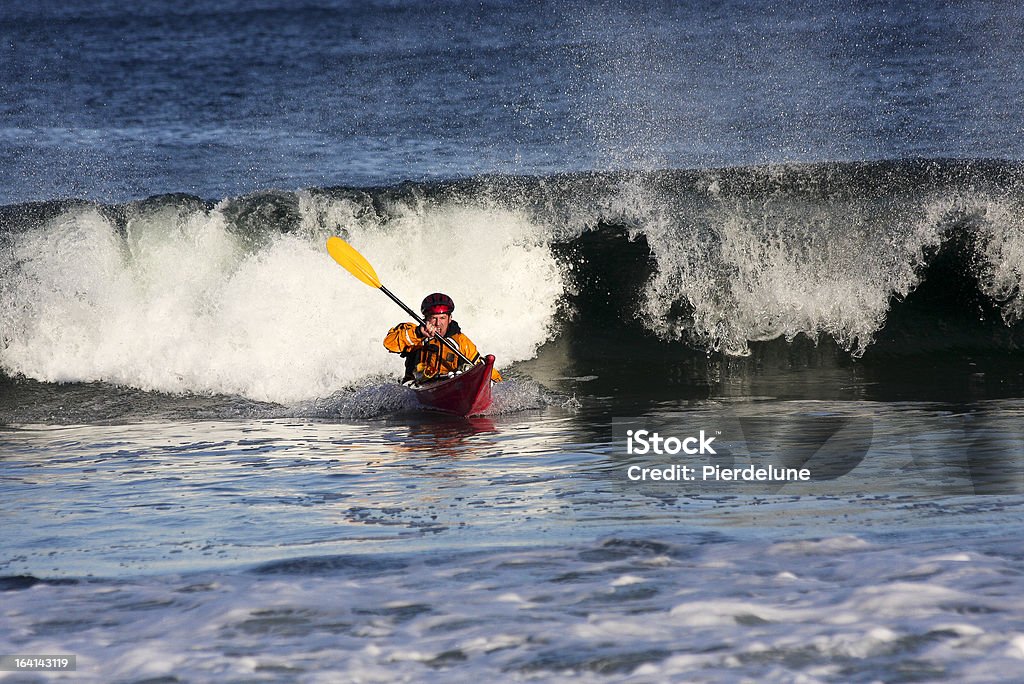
(239, 297)
(823, 251)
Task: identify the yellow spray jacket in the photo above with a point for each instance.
(427, 358)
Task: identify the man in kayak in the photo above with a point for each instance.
(425, 356)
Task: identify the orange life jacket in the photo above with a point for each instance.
(427, 358)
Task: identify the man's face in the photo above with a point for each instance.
(440, 321)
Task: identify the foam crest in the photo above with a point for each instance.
(61, 293)
(176, 300)
(494, 262)
(1000, 253)
(750, 270)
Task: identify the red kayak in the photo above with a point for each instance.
(465, 394)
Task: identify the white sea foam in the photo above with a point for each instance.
(1001, 256)
(424, 620)
(183, 304)
(758, 270)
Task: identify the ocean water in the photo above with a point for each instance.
(790, 238)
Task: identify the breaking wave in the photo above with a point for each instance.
(178, 294)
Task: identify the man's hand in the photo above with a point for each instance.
(428, 330)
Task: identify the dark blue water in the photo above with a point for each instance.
(110, 102)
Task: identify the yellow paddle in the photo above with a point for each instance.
(356, 264)
(346, 255)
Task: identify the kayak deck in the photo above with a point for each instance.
(466, 394)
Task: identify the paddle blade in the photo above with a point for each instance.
(356, 264)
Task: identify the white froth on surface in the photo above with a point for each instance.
(425, 620)
(183, 304)
(760, 270)
(1000, 252)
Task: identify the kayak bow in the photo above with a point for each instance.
(465, 394)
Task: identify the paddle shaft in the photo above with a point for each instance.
(444, 340)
